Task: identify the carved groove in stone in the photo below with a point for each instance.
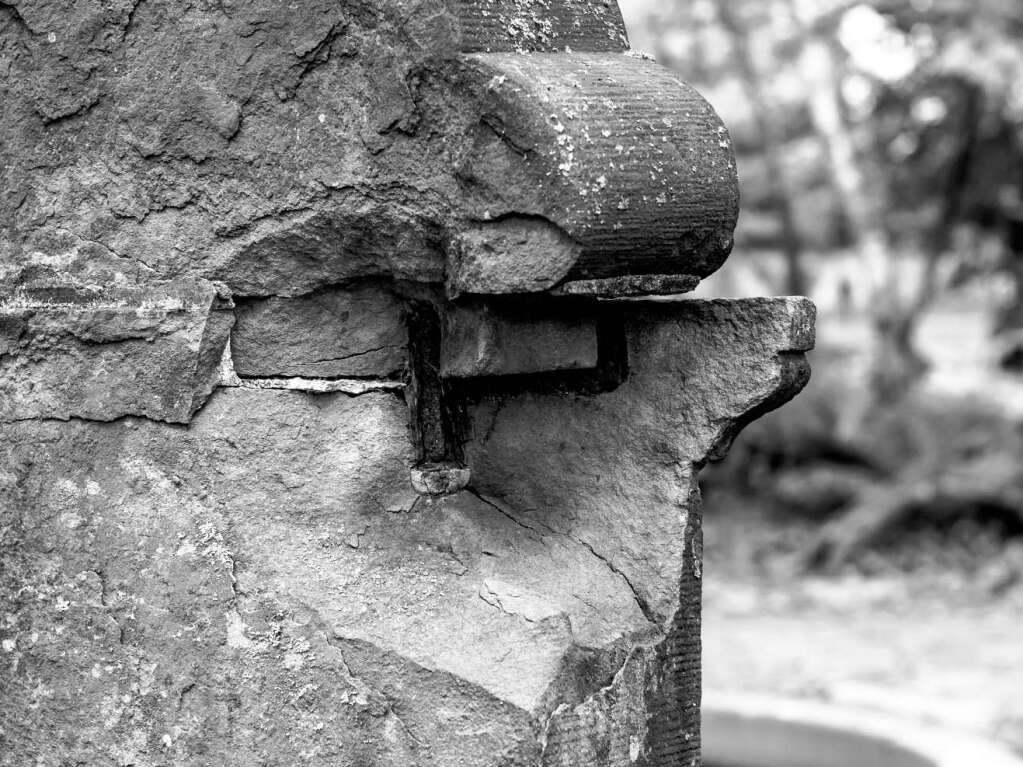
(540, 25)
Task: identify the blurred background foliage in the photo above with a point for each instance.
(880, 153)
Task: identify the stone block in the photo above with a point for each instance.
(69, 350)
(495, 339)
(335, 333)
(618, 474)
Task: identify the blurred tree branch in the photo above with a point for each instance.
(763, 118)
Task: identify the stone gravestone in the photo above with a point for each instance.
(340, 424)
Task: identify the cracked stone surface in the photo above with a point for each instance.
(357, 332)
(68, 350)
(263, 582)
(282, 150)
(243, 252)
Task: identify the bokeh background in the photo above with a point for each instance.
(865, 543)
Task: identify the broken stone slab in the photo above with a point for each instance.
(355, 332)
(619, 473)
(491, 339)
(253, 557)
(698, 371)
(69, 350)
(293, 149)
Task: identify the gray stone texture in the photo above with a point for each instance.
(628, 162)
(74, 351)
(282, 149)
(482, 339)
(264, 586)
(355, 332)
(541, 25)
(206, 565)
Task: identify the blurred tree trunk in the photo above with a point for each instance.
(895, 363)
(1012, 315)
(729, 16)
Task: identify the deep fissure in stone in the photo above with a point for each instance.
(436, 414)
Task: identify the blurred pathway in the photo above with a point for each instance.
(939, 644)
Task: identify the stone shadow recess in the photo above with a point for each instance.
(351, 404)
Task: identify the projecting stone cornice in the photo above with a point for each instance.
(587, 165)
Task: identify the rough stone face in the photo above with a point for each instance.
(618, 473)
(74, 351)
(266, 583)
(281, 150)
(338, 333)
(456, 526)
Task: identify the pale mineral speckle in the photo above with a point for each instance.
(186, 549)
(293, 661)
(236, 637)
(71, 520)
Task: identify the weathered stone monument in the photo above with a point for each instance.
(341, 422)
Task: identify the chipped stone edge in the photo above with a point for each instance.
(630, 286)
